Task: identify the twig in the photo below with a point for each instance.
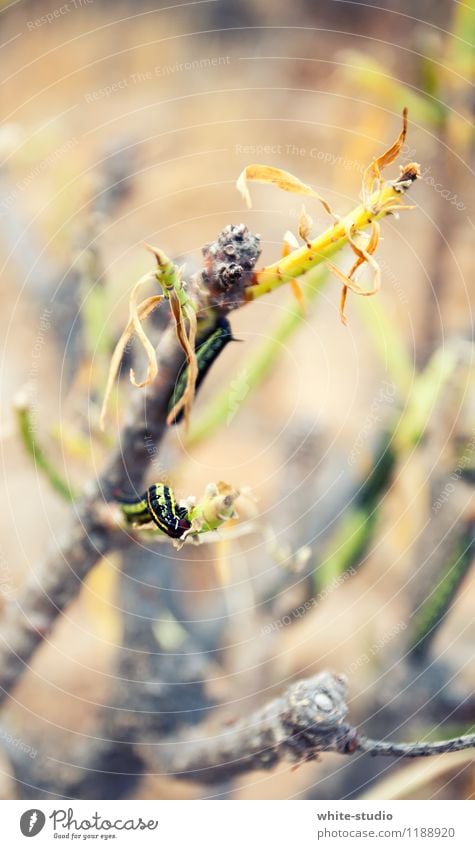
(414, 750)
(305, 720)
(413, 780)
(29, 619)
(353, 535)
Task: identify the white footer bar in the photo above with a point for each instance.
(238, 824)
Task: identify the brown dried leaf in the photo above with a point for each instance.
(276, 176)
(298, 294)
(365, 254)
(305, 225)
(188, 343)
(289, 243)
(350, 284)
(372, 174)
(137, 314)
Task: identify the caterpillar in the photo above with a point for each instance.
(206, 354)
(158, 505)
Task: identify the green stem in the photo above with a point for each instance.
(434, 609)
(427, 390)
(460, 53)
(352, 536)
(26, 430)
(386, 341)
(346, 547)
(369, 75)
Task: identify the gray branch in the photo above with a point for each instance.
(29, 619)
(295, 727)
(305, 721)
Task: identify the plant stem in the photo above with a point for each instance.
(426, 392)
(387, 343)
(329, 242)
(434, 609)
(346, 547)
(26, 430)
(353, 534)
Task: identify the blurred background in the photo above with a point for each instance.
(128, 123)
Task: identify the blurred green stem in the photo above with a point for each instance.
(387, 342)
(352, 536)
(432, 612)
(354, 533)
(427, 389)
(26, 430)
(369, 75)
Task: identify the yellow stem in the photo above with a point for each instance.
(381, 202)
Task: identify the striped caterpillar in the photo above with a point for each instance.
(158, 505)
(206, 354)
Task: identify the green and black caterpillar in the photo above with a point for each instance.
(206, 354)
(158, 505)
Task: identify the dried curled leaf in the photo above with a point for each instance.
(168, 276)
(137, 314)
(277, 177)
(188, 343)
(363, 254)
(289, 243)
(372, 174)
(216, 507)
(305, 225)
